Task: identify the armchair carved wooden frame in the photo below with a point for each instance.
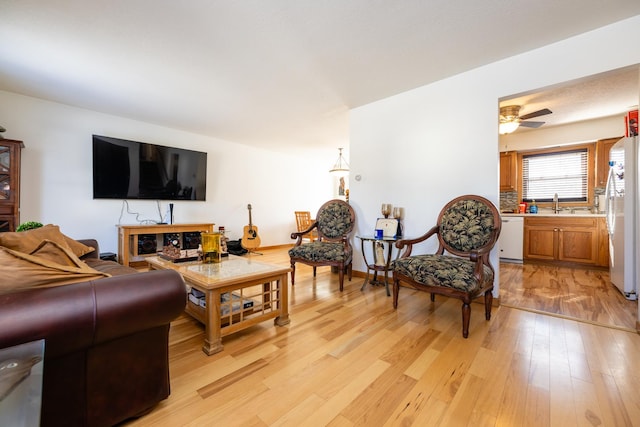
(467, 229)
(334, 223)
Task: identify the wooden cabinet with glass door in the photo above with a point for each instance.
(10, 151)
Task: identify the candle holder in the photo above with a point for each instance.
(386, 210)
(398, 213)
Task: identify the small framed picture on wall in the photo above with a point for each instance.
(341, 190)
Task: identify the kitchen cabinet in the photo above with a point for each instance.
(563, 239)
(603, 243)
(602, 160)
(540, 239)
(508, 171)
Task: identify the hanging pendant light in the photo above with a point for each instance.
(341, 167)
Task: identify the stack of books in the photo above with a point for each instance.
(228, 301)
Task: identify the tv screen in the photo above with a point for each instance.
(125, 169)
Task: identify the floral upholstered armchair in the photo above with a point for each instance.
(467, 229)
(334, 223)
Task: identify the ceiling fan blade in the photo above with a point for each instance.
(538, 113)
(531, 124)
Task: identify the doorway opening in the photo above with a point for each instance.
(582, 112)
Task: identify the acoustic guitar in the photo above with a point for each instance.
(250, 239)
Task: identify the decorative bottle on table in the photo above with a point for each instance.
(223, 242)
(379, 254)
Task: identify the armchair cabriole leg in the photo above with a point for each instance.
(293, 273)
(466, 315)
(396, 291)
(488, 302)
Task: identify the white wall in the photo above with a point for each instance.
(57, 176)
(422, 148)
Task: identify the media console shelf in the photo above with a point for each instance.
(129, 237)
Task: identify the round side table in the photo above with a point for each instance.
(381, 263)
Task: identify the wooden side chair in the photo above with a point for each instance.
(334, 223)
(467, 229)
(303, 222)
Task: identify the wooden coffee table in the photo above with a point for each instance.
(253, 292)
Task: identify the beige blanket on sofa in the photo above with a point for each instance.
(49, 264)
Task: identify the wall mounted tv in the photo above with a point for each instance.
(125, 169)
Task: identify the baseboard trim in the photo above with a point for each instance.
(575, 319)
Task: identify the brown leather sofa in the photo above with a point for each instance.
(106, 341)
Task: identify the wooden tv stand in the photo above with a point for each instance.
(128, 237)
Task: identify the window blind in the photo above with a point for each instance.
(564, 173)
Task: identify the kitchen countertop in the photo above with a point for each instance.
(562, 213)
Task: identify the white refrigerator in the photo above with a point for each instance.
(621, 212)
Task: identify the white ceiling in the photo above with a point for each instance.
(602, 95)
(281, 74)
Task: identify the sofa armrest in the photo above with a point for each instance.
(94, 244)
(133, 302)
(62, 315)
(76, 316)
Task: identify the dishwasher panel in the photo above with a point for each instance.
(511, 238)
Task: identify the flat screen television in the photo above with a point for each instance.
(125, 169)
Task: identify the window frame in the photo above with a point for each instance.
(590, 147)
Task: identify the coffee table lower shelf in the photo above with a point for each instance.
(266, 305)
(264, 284)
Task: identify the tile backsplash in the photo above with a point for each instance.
(509, 199)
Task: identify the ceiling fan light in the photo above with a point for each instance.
(507, 127)
(510, 112)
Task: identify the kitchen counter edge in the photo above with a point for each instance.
(563, 214)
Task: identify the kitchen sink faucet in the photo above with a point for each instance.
(556, 204)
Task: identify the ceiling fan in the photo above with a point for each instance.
(510, 119)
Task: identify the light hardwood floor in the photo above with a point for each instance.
(349, 359)
(580, 293)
